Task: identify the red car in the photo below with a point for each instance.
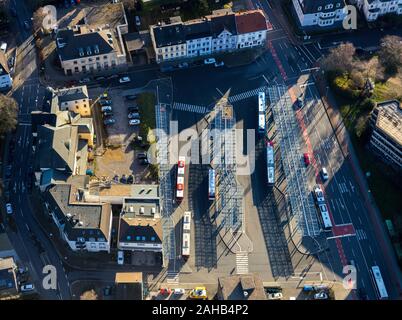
(306, 158)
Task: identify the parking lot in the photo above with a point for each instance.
(119, 158)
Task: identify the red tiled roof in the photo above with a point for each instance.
(250, 21)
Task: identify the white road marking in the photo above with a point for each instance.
(371, 250)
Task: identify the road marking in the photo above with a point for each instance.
(27, 227)
(220, 92)
(360, 220)
(363, 285)
(371, 250)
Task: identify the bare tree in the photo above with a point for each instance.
(89, 295)
(8, 114)
(38, 19)
(340, 59)
(391, 53)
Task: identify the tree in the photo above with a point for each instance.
(8, 114)
(89, 295)
(38, 18)
(340, 59)
(390, 54)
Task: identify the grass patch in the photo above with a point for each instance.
(146, 103)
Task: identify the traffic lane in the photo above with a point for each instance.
(205, 80)
(288, 57)
(346, 200)
(353, 251)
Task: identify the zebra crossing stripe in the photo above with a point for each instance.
(172, 277)
(241, 263)
(189, 107)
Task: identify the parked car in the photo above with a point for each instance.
(219, 64)
(134, 122)
(9, 208)
(321, 296)
(84, 80)
(144, 161)
(10, 62)
(124, 80)
(100, 78)
(130, 179)
(27, 287)
(120, 257)
(275, 296)
(106, 108)
(133, 115)
(137, 21)
(105, 102)
(123, 179)
(22, 270)
(133, 109)
(3, 47)
(108, 113)
(142, 155)
(183, 65)
(131, 97)
(179, 291)
(306, 158)
(324, 174)
(210, 61)
(109, 121)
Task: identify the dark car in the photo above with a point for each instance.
(100, 78)
(130, 179)
(142, 156)
(144, 162)
(26, 25)
(132, 109)
(123, 179)
(131, 97)
(108, 113)
(362, 294)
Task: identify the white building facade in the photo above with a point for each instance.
(373, 9)
(320, 13)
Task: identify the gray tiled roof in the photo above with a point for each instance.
(95, 218)
(91, 44)
(169, 35)
(71, 94)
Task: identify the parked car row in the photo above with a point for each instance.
(106, 108)
(124, 179)
(133, 114)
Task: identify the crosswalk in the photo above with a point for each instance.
(172, 277)
(241, 262)
(246, 95)
(232, 99)
(361, 234)
(189, 107)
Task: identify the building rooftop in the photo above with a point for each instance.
(389, 120)
(234, 287)
(250, 21)
(72, 94)
(128, 286)
(81, 219)
(169, 35)
(85, 42)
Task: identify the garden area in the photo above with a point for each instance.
(359, 82)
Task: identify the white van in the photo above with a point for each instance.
(120, 257)
(324, 174)
(3, 47)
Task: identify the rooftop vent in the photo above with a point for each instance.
(153, 210)
(81, 52)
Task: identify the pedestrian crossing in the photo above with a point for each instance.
(189, 107)
(246, 95)
(361, 234)
(172, 277)
(242, 263)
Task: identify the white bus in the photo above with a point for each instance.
(261, 112)
(180, 178)
(211, 184)
(325, 218)
(378, 283)
(186, 234)
(270, 164)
